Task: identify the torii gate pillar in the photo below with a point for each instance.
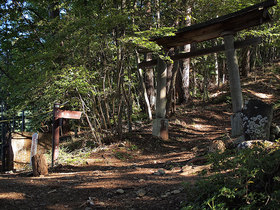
(160, 123)
(235, 86)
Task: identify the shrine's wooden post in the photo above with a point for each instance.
(58, 114)
(235, 86)
(55, 132)
(160, 123)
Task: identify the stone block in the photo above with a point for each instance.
(257, 118)
(217, 146)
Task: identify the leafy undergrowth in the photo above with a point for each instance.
(242, 179)
(66, 157)
(75, 153)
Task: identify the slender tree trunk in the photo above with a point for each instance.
(245, 62)
(224, 72)
(106, 107)
(101, 112)
(127, 96)
(97, 140)
(186, 78)
(149, 81)
(171, 92)
(186, 65)
(205, 84)
(96, 115)
(178, 86)
(169, 71)
(147, 103)
(217, 81)
(120, 99)
(120, 112)
(194, 82)
(158, 13)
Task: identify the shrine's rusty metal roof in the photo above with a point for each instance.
(251, 16)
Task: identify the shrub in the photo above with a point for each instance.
(241, 179)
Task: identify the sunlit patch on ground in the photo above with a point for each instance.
(261, 95)
(12, 196)
(219, 93)
(203, 127)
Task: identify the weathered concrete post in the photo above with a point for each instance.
(160, 123)
(235, 86)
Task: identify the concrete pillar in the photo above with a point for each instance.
(160, 124)
(235, 86)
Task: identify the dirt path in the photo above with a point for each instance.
(139, 172)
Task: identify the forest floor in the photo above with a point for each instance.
(140, 171)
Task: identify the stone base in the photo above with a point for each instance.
(160, 128)
(236, 124)
(256, 143)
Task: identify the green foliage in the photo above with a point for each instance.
(241, 179)
(123, 155)
(68, 157)
(143, 39)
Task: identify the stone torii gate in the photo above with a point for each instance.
(224, 26)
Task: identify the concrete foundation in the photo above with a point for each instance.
(236, 124)
(160, 128)
(21, 148)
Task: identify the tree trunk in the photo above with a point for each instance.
(205, 84)
(245, 62)
(54, 10)
(217, 81)
(194, 83)
(224, 69)
(149, 81)
(147, 103)
(186, 76)
(128, 99)
(120, 112)
(169, 71)
(39, 165)
(158, 13)
(171, 92)
(185, 66)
